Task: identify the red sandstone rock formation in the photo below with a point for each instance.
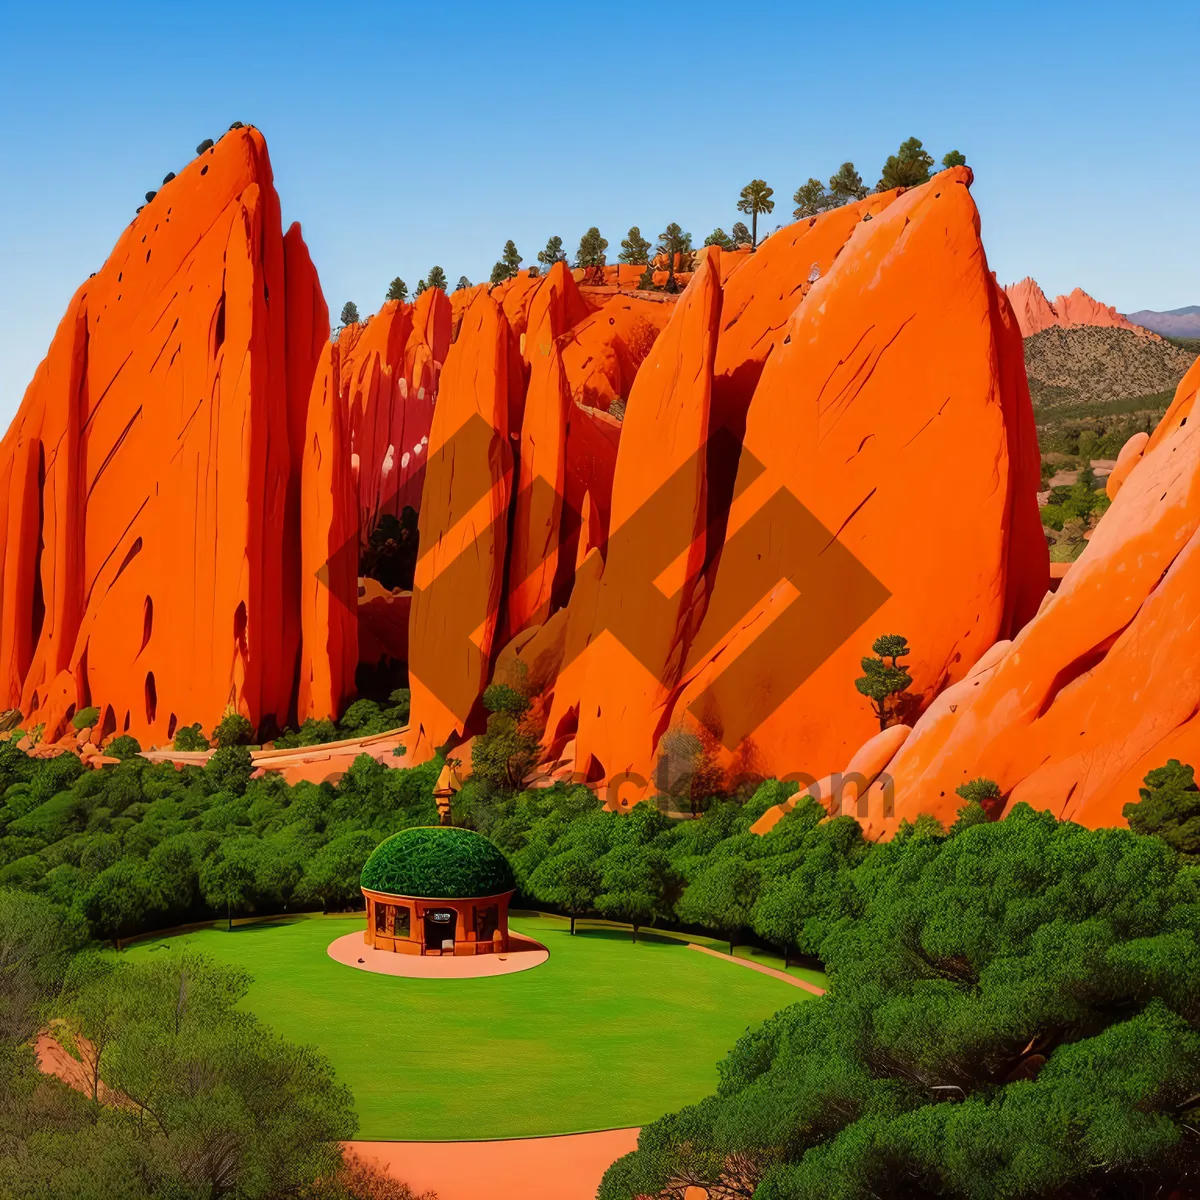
(463, 528)
(151, 507)
(656, 547)
(329, 563)
(904, 350)
(535, 577)
(859, 352)
(1103, 685)
(602, 354)
(389, 382)
(1035, 312)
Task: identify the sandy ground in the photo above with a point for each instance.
(553, 1168)
(351, 950)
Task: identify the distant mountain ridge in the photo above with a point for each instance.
(1036, 313)
(1174, 322)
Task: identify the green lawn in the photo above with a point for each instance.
(605, 1034)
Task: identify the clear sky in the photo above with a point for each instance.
(406, 135)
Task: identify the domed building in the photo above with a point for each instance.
(438, 890)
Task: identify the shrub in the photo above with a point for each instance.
(191, 738)
(123, 747)
(85, 718)
(233, 730)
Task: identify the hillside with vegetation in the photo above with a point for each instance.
(1093, 387)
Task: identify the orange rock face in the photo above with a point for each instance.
(853, 406)
(602, 354)
(535, 577)
(463, 529)
(1035, 312)
(329, 572)
(152, 496)
(1103, 685)
(633, 666)
(389, 382)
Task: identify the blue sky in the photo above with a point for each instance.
(406, 135)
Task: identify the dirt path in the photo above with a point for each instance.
(569, 1167)
(794, 980)
(316, 764)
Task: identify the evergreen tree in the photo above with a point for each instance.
(755, 198)
(676, 245)
(955, 158)
(635, 250)
(436, 279)
(846, 185)
(511, 257)
(740, 234)
(591, 249)
(810, 199)
(884, 678)
(397, 289)
(719, 237)
(350, 313)
(499, 274)
(553, 252)
(1169, 808)
(421, 286)
(908, 167)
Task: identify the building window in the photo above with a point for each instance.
(487, 921)
(392, 920)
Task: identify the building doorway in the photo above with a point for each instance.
(440, 927)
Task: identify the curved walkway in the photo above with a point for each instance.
(794, 980)
(352, 951)
(569, 1167)
(327, 762)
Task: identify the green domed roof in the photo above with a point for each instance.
(438, 862)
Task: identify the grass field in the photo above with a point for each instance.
(605, 1034)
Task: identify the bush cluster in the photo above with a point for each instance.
(141, 845)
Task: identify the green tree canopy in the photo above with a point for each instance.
(1169, 808)
(635, 249)
(846, 185)
(569, 881)
(954, 158)
(553, 252)
(511, 257)
(350, 313)
(908, 167)
(397, 289)
(233, 730)
(883, 678)
(676, 246)
(436, 278)
(719, 237)
(722, 897)
(755, 198)
(810, 199)
(1005, 1018)
(591, 249)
